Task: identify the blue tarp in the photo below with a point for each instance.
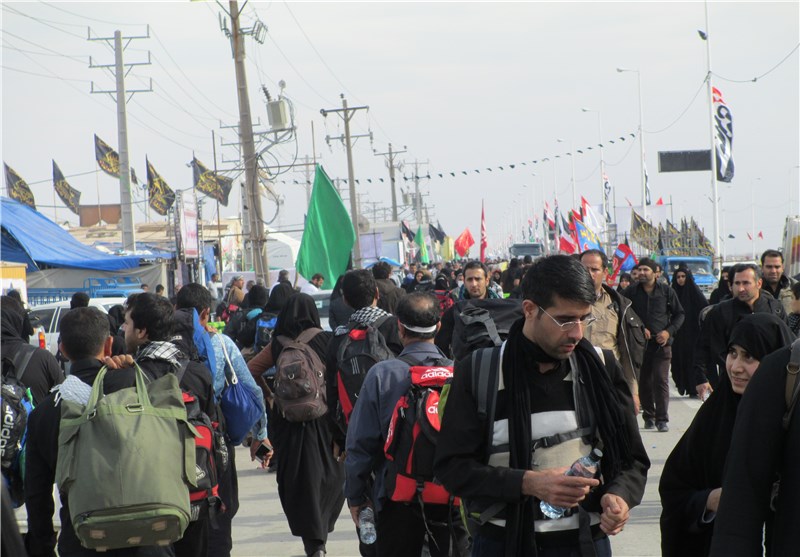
(31, 238)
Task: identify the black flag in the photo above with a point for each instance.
(69, 195)
(210, 183)
(18, 189)
(160, 194)
(107, 158)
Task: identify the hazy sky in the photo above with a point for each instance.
(463, 86)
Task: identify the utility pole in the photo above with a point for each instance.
(252, 186)
(119, 95)
(307, 168)
(347, 114)
(417, 197)
(390, 163)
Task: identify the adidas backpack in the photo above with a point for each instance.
(17, 403)
(412, 435)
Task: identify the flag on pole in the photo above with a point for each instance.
(484, 239)
(419, 239)
(761, 235)
(464, 242)
(590, 216)
(548, 217)
(161, 195)
(328, 236)
(69, 195)
(723, 136)
(624, 261)
(406, 231)
(18, 189)
(607, 196)
(210, 183)
(646, 185)
(660, 201)
(587, 239)
(107, 158)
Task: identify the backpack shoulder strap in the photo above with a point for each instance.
(306, 336)
(792, 384)
(181, 371)
(21, 360)
(485, 382)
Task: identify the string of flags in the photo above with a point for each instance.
(218, 187)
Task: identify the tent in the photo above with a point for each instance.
(31, 238)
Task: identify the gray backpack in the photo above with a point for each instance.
(300, 379)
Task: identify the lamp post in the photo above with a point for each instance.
(641, 139)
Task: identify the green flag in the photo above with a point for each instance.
(419, 239)
(328, 237)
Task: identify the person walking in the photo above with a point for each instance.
(691, 483)
(692, 301)
(310, 476)
(658, 306)
(550, 399)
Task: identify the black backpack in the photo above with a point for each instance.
(362, 348)
(482, 323)
(17, 403)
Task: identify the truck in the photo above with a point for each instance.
(534, 249)
(701, 266)
(791, 246)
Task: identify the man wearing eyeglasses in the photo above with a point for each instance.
(517, 416)
(658, 306)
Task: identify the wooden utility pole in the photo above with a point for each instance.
(390, 163)
(347, 114)
(252, 185)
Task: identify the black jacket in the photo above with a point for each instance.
(716, 330)
(388, 294)
(631, 342)
(661, 310)
(40, 471)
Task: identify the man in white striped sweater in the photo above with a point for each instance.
(519, 415)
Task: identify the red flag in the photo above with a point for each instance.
(464, 242)
(660, 201)
(567, 244)
(484, 240)
(624, 260)
(761, 235)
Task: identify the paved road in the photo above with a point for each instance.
(260, 528)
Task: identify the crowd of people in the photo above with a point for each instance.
(449, 404)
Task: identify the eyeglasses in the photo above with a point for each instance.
(569, 325)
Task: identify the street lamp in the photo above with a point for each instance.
(572, 157)
(641, 139)
(602, 163)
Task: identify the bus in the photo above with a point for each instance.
(534, 249)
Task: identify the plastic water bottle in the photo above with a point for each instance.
(366, 526)
(584, 467)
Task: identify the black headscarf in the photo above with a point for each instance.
(299, 313)
(689, 295)
(337, 288)
(12, 320)
(695, 466)
(598, 393)
(278, 297)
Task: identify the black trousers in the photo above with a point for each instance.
(654, 382)
(402, 533)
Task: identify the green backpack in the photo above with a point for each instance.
(126, 461)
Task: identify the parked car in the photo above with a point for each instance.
(322, 300)
(46, 319)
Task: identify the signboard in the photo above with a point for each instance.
(188, 224)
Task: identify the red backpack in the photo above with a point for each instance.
(211, 458)
(412, 435)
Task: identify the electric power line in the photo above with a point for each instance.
(682, 113)
(769, 71)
